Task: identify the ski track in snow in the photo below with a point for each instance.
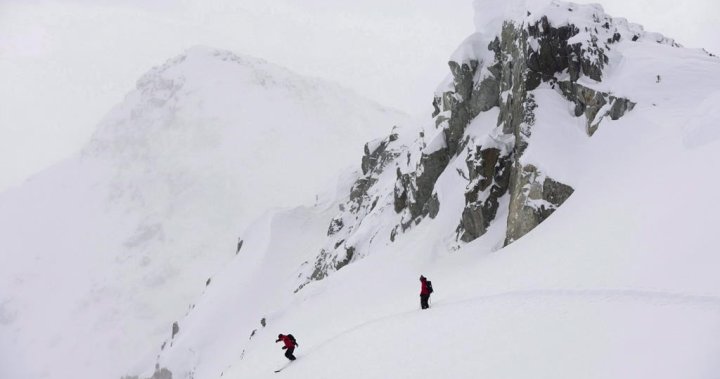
(651, 297)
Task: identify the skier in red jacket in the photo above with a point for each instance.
(425, 291)
(290, 345)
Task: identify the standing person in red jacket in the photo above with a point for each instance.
(425, 291)
(290, 345)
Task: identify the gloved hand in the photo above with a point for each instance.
(284, 347)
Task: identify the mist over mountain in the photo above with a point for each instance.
(111, 246)
(558, 194)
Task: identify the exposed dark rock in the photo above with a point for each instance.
(463, 77)
(349, 252)
(160, 373)
(369, 160)
(472, 223)
(488, 169)
(401, 191)
(376, 159)
(554, 54)
(175, 329)
(378, 154)
(374, 203)
(590, 103)
(433, 165)
(555, 192)
(485, 96)
(263, 322)
(326, 262)
(454, 110)
(466, 101)
(492, 174)
(619, 106)
(433, 206)
(322, 262)
(359, 190)
(535, 198)
(436, 107)
(414, 192)
(336, 224)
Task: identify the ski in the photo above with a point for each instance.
(283, 367)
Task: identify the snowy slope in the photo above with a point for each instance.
(103, 252)
(619, 282)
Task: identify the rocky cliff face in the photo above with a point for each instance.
(566, 48)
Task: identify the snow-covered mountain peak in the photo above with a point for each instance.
(587, 18)
(212, 90)
(156, 200)
(200, 64)
(208, 113)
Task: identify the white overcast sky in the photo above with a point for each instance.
(65, 63)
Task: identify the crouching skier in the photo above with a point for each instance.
(290, 345)
(425, 291)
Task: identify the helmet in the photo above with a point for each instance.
(280, 336)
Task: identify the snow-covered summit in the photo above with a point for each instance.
(491, 14)
(209, 80)
(210, 114)
(116, 242)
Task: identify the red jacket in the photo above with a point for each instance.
(424, 290)
(286, 340)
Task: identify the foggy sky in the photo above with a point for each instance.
(64, 64)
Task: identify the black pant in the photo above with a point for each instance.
(424, 301)
(289, 353)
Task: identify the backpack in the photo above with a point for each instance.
(292, 338)
(429, 286)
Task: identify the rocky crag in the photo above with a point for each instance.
(565, 47)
